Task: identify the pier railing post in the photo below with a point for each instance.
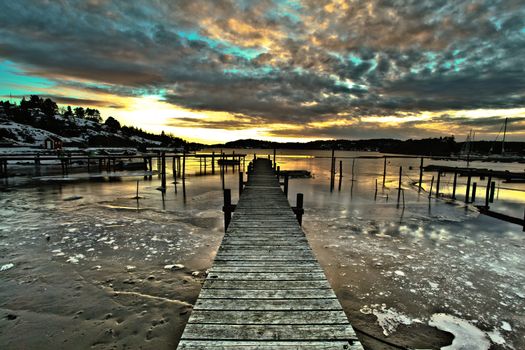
(286, 177)
(274, 162)
(227, 208)
(298, 210)
(241, 182)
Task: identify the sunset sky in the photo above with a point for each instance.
(291, 70)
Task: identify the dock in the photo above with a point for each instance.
(266, 290)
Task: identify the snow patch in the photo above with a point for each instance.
(7, 267)
(466, 335)
(388, 318)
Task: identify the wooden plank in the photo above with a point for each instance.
(268, 304)
(267, 276)
(268, 345)
(314, 293)
(268, 317)
(267, 269)
(263, 263)
(269, 332)
(267, 285)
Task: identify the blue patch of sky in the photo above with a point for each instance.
(287, 8)
(15, 81)
(223, 46)
(252, 72)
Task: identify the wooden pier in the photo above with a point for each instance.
(266, 289)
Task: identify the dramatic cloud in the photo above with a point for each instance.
(292, 68)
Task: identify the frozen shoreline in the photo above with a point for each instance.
(392, 270)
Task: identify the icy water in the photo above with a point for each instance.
(85, 265)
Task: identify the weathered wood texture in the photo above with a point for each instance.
(266, 290)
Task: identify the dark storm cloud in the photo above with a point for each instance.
(279, 62)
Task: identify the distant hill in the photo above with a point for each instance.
(33, 121)
(442, 146)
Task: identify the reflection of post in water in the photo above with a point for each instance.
(163, 196)
(375, 193)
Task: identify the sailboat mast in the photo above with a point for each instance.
(504, 133)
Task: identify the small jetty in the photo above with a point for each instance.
(266, 289)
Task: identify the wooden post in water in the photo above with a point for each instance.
(241, 182)
(174, 168)
(375, 194)
(384, 172)
(184, 164)
(399, 185)
(467, 193)
(278, 172)
(286, 176)
(438, 182)
(474, 187)
(332, 171)
(420, 175)
(487, 191)
(150, 162)
(274, 161)
(213, 163)
(340, 174)
(492, 190)
(227, 208)
(431, 185)
(163, 171)
(454, 185)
